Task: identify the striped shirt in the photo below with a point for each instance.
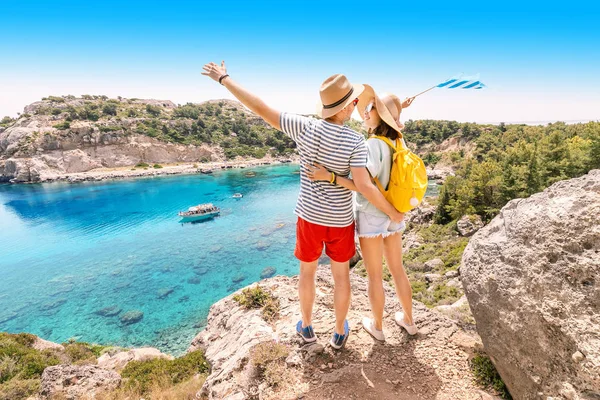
(337, 148)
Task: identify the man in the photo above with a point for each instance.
(324, 209)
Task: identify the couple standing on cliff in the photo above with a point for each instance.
(334, 161)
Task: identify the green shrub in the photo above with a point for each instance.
(258, 297)
(153, 110)
(62, 125)
(431, 158)
(141, 375)
(90, 112)
(56, 111)
(55, 99)
(19, 360)
(487, 376)
(109, 109)
(141, 165)
(157, 166)
(105, 128)
(82, 352)
(189, 110)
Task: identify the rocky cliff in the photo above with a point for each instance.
(69, 135)
(532, 279)
(253, 358)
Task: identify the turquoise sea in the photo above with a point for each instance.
(75, 258)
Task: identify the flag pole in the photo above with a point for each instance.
(424, 91)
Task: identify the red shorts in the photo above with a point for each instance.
(310, 238)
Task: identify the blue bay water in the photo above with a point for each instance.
(70, 250)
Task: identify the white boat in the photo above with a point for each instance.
(200, 212)
(237, 196)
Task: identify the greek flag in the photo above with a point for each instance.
(461, 82)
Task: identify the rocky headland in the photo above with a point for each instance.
(95, 138)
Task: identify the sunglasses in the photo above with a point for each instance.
(369, 107)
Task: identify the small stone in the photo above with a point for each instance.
(578, 357)
(388, 381)
(430, 278)
(432, 264)
(330, 365)
(451, 274)
(569, 391)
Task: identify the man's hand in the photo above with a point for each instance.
(250, 100)
(213, 71)
(407, 102)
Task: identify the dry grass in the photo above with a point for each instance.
(187, 390)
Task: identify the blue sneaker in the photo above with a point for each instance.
(307, 334)
(338, 341)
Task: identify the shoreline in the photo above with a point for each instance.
(129, 172)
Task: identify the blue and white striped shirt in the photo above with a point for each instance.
(337, 148)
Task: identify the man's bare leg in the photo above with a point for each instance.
(341, 293)
(306, 290)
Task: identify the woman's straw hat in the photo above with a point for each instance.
(388, 106)
(336, 93)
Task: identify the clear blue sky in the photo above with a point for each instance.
(540, 60)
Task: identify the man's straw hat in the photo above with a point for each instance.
(336, 93)
(388, 107)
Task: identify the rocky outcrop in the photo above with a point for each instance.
(77, 381)
(119, 360)
(532, 280)
(52, 137)
(433, 364)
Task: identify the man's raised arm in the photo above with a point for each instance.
(255, 104)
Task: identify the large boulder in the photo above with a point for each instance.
(532, 279)
(77, 381)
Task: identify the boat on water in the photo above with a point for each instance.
(237, 196)
(200, 212)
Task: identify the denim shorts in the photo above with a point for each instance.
(371, 225)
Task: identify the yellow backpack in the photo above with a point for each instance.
(408, 178)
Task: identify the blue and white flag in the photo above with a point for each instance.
(466, 82)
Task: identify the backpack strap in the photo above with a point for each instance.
(388, 141)
(395, 148)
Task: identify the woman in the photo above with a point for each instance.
(378, 235)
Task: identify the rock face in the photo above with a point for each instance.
(436, 359)
(47, 142)
(77, 381)
(532, 278)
